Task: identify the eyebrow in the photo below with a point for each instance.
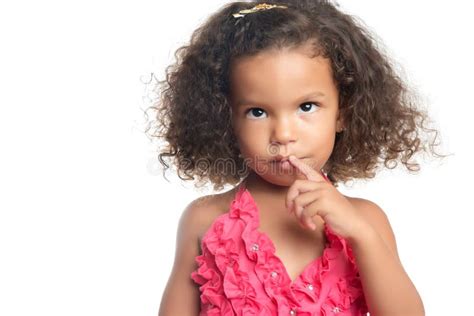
(313, 94)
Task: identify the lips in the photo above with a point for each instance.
(280, 158)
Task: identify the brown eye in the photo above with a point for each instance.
(255, 111)
(307, 106)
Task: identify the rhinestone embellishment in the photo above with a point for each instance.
(274, 274)
(310, 287)
(336, 310)
(255, 247)
(293, 312)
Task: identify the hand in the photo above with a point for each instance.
(312, 195)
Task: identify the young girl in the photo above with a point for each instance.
(285, 100)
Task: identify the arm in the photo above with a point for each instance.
(181, 295)
(387, 288)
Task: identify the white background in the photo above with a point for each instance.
(87, 222)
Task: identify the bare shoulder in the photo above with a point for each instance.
(202, 212)
(196, 218)
(376, 216)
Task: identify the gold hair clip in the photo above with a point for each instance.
(258, 7)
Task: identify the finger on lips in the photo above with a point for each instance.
(307, 171)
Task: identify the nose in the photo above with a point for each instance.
(284, 132)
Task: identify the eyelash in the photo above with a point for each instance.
(315, 103)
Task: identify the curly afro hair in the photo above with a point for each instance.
(193, 113)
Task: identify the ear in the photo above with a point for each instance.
(339, 123)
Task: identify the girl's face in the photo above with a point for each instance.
(284, 103)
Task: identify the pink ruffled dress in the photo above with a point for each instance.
(240, 274)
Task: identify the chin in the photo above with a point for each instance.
(278, 177)
(281, 181)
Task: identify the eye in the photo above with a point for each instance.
(255, 111)
(307, 106)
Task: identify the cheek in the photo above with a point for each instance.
(317, 131)
(250, 136)
(320, 143)
(253, 147)
(250, 145)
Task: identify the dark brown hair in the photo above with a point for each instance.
(381, 114)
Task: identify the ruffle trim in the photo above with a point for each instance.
(227, 288)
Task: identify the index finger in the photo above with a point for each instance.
(305, 169)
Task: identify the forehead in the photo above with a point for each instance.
(280, 75)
